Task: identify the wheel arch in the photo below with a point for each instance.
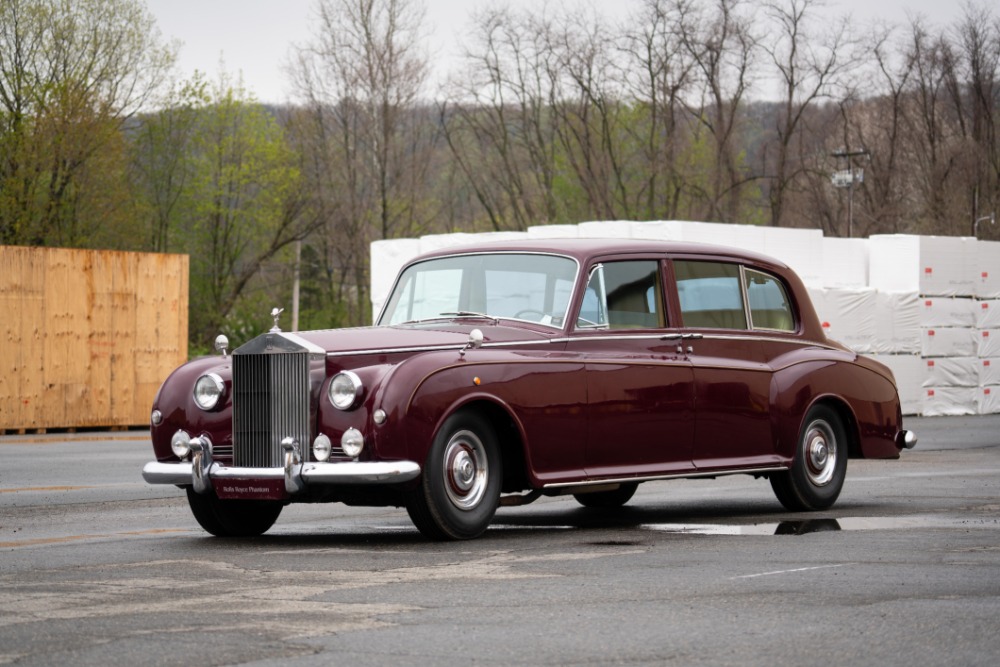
(509, 435)
(848, 422)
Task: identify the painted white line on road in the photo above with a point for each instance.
(798, 569)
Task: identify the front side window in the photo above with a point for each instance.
(530, 287)
(623, 295)
(768, 301)
(710, 294)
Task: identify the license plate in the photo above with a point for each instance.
(250, 489)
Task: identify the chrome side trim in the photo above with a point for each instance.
(652, 478)
(582, 338)
(440, 348)
(349, 472)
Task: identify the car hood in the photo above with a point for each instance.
(436, 334)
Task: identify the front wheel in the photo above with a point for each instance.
(460, 489)
(233, 518)
(817, 474)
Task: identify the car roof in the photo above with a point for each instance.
(584, 249)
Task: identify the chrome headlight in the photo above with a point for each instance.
(208, 390)
(345, 390)
(352, 442)
(179, 444)
(322, 447)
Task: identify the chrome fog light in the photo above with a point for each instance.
(322, 447)
(345, 390)
(179, 444)
(352, 442)
(208, 390)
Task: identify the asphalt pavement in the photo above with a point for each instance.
(97, 567)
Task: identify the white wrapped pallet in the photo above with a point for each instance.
(948, 342)
(950, 401)
(897, 323)
(988, 342)
(845, 262)
(847, 316)
(988, 315)
(909, 370)
(387, 257)
(801, 249)
(989, 400)
(432, 242)
(987, 270)
(989, 371)
(553, 232)
(952, 372)
(660, 230)
(947, 312)
(745, 237)
(928, 265)
(605, 229)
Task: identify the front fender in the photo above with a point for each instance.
(543, 395)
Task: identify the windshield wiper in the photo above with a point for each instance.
(470, 313)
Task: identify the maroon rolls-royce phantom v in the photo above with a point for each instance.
(510, 371)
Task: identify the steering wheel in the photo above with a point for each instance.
(542, 315)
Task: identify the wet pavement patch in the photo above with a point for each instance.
(806, 526)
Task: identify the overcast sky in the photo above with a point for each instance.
(253, 37)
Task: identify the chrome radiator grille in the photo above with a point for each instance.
(270, 403)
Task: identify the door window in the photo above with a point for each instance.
(623, 295)
(710, 295)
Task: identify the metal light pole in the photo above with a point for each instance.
(992, 217)
(846, 178)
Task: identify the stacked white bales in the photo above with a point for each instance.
(928, 307)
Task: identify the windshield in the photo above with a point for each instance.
(535, 288)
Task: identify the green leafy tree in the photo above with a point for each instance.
(72, 73)
(245, 204)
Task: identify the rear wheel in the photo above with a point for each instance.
(460, 488)
(817, 474)
(233, 518)
(607, 499)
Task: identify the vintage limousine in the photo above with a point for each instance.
(504, 372)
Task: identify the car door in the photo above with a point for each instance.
(640, 386)
(732, 380)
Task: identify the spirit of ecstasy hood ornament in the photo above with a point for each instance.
(276, 313)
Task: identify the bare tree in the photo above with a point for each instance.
(499, 125)
(810, 62)
(723, 44)
(658, 75)
(359, 79)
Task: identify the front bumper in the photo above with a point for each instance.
(202, 471)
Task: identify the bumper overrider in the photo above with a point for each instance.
(906, 439)
(205, 475)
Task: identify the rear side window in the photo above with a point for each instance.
(768, 300)
(710, 295)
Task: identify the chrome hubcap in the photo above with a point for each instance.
(466, 470)
(820, 450)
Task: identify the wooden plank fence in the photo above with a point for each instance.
(87, 337)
